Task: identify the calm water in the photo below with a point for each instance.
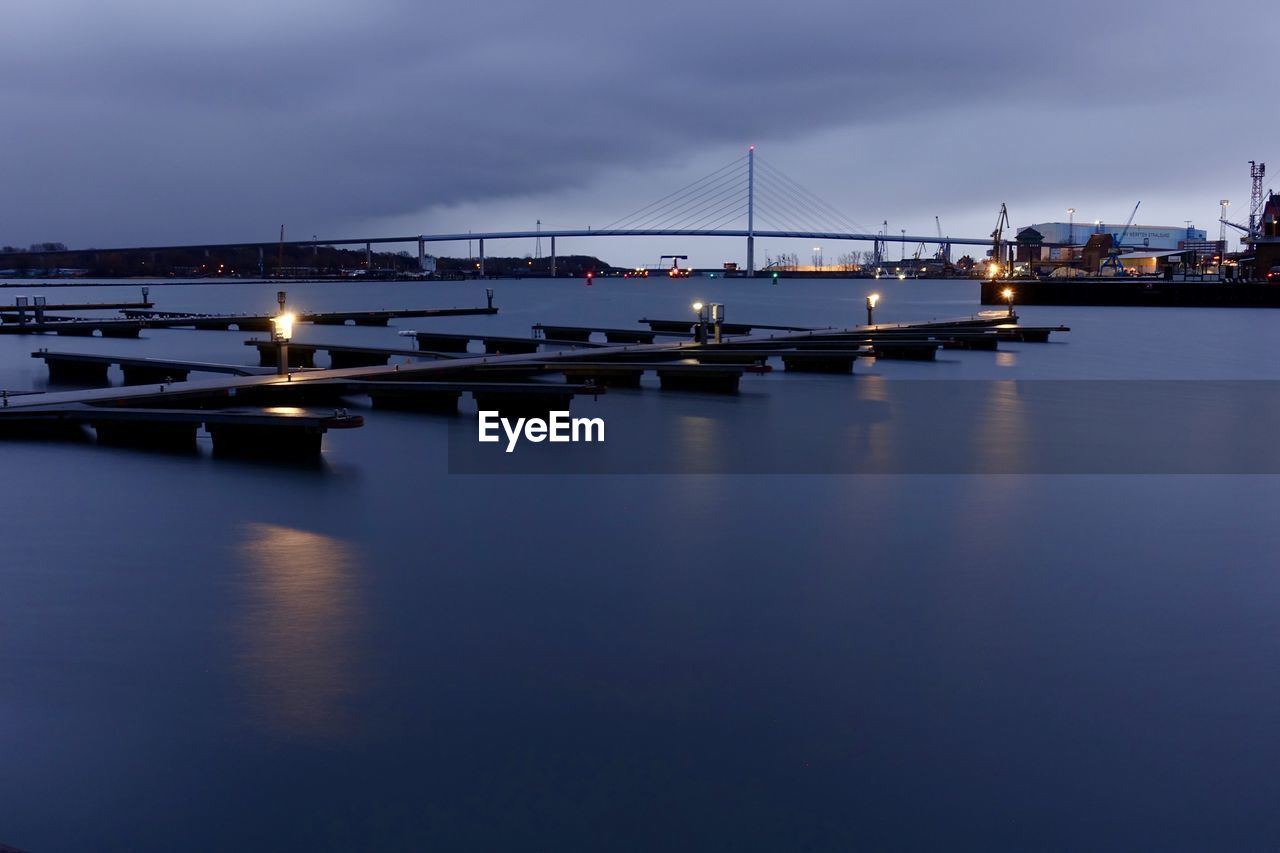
(378, 654)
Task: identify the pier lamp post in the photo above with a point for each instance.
(700, 328)
(281, 332)
(1007, 293)
(872, 299)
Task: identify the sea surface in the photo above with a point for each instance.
(1014, 600)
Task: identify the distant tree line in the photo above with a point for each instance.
(288, 262)
(566, 265)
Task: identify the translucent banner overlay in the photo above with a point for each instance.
(871, 425)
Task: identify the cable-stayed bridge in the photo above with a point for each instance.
(747, 198)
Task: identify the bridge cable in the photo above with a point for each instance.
(704, 193)
(855, 227)
(811, 201)
(789, 203)
(669, 196)
(799, 204)
(694, 205)
(734, 202)
(712, 206)
(736, 214)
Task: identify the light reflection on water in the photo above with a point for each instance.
(299, 633)
(660, 651)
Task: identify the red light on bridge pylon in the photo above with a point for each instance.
(590, 275)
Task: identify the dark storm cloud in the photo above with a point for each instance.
(138, 122)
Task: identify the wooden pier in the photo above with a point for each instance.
(685, 327)
(613, 336)
(493, 344)
(262, 322)
(83, 328)
(91, 368)
(505, 378)
(234, 432)
(17, 313)
(1135, 292)
(340, 355)
(717, 378)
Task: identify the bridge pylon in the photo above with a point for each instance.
(751, 211)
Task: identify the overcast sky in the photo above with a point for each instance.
(138, 122)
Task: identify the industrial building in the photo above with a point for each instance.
(1261, 258)
(1139, 236)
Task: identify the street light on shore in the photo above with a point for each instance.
(1007, 293)
(700, 327)
(872, 299)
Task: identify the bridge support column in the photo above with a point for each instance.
(422, 253)
(553, 256)
(262, 264)
(368, 258)
(482, 257)
(751, 257)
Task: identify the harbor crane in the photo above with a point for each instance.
(1112, 261)
(944, 248)
(674, 270)
(1256, 173)
(997, 240)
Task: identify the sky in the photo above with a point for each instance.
(142, 123)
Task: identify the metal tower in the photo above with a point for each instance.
(751, 211)
(1256, 172)
(1222, 223)
(537, 246)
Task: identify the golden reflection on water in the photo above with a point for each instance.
(298, 634)
(1003, 440)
